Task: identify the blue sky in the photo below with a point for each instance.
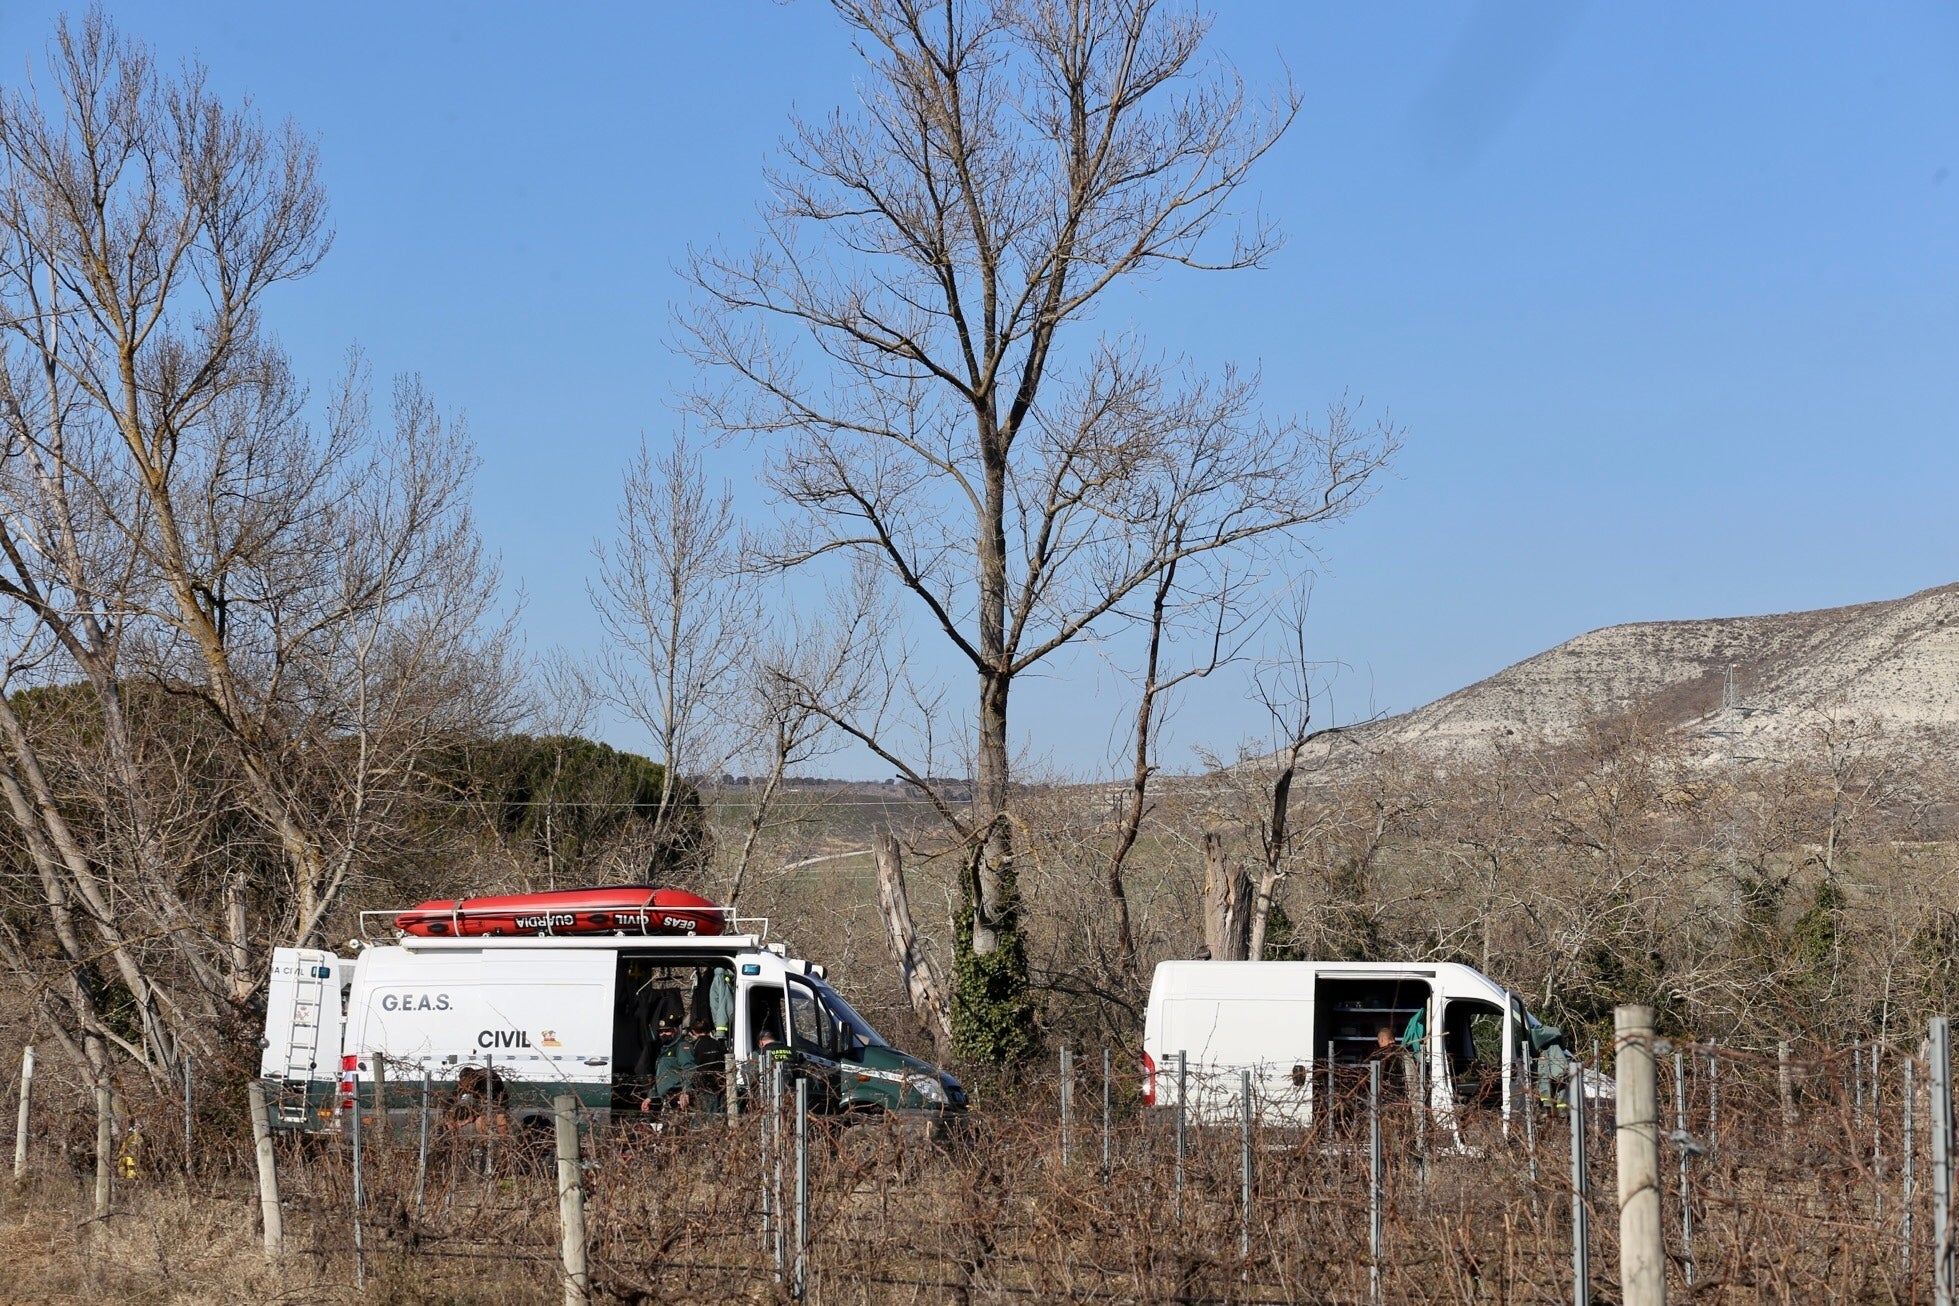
(1667, 297)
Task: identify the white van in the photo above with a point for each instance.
(1296, 1024)
(520, 1020)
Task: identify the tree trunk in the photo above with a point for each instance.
(925, 984)
(993, 1019)
(1275, 854)
(758, 812)
(1140, 772)
(1268, 886)
(993, 908)
(105, 1142)
(238, 939)
(1227, 903)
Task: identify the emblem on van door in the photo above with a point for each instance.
(549, 1038)
(503, 1038)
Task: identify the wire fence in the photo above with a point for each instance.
(1788, 1175)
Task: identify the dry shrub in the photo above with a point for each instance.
(1801, 1207)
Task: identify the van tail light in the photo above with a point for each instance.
(1149, 1080)
(347, 1065)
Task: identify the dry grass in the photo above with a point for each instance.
(164, 1246)
(686, 1215)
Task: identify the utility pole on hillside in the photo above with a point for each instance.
(1727, 727)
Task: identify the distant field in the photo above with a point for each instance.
(825, 820)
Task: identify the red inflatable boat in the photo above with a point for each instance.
(622, 909)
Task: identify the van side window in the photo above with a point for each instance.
(1473, 1037)
(764, 1017)
(811, 1027)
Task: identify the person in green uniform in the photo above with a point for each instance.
(1554, 1066)
(709, 1089)
(689, 1073)
(664, 1034)
(673, 1074)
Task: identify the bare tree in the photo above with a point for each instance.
(144, 225)
(273, 619)
(1157, 684)
(1853, 764)
(829, 658)
(681, 611)
(915, 325)
(1286, 689)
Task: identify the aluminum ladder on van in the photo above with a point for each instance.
(303, 1038)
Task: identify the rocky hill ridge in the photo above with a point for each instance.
(1764, 681)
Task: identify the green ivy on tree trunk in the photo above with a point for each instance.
(992, 1015)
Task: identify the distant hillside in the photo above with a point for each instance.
(1892, 664)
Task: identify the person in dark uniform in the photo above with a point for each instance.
(688, 1075)
(662, 1034)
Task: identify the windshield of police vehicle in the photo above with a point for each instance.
(857, 1029)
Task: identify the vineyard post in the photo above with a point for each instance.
(187, 1116)
(20, 1124)
(1067, 1101)
(1581, 1234)
(384, 1132)
(1422, 1108)
(1941, 1123)
(268, 1174)
(1877, 1131)
(1592, 1117)
(1332, 1090)
(1434, 1076)
(1245, 1159)
(1856, 1089)
(775, 1162)
(1907, 1181)
(360, 1193)
(802, 1190)
(1785, 1090)
(1713, 1094)
(422, 1147)
(1375, 1232)
(765, 1083)
(1105, 1115)
(1183, 1063)
(1642, 1248)
(1530, 1126)
(104, 1148)
(1680, 1064)
(492, 1103)
(571, 1200)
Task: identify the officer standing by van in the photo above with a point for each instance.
(1397, 1064)
(1554, 1065)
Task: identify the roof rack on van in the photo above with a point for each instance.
(380, 927)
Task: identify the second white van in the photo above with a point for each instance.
(1450, 1034)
